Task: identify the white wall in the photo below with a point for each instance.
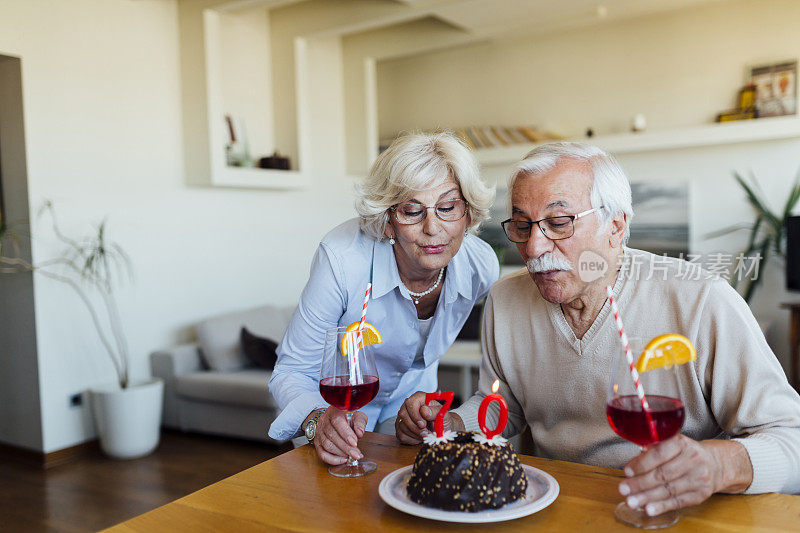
(679, 69)
(402, 39)
(101, 85)
(246, 75)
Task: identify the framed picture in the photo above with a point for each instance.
(776, 88)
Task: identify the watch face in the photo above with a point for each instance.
(311, 429)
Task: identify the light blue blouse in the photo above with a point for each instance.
(345, 261)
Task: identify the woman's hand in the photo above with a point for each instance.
(414, 417)
(335, 440)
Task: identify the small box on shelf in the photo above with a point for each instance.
(275, 161)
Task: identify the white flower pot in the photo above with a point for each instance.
(128, 421)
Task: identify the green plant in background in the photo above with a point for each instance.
(767, 232)
(91, 262)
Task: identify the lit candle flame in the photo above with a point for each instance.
(616, 387)
(495, 385)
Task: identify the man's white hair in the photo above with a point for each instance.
(610, 186)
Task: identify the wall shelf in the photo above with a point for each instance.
(206, 157)
(259, 178)
(765, 129)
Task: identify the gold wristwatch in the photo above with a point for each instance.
(311, 425)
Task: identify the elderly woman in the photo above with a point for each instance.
(411, 241)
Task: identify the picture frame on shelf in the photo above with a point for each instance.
(776, 88)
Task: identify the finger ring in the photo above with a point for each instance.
(399, 420)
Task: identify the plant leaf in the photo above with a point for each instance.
(758, 204)
(754, 234)
(727, 231)
(763, 247)
(794, 196)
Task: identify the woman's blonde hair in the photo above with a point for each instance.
(416, 162)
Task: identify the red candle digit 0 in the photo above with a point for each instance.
(447, 398)
(503, 420)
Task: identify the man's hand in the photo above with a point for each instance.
(680, 472)
(414, 417)
(335, 440)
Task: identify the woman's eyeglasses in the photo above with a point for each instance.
(414, 212)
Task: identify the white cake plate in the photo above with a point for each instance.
(542, 491)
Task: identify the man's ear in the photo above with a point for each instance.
(618, 225)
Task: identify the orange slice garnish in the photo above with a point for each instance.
(370, 335)
(665, 351)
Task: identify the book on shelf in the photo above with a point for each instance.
(532, 134)
(489, 133)
(501, 135)
(465, 138)
(482, 141)
(515, 136)
(478, 137)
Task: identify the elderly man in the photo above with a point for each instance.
(550, 344)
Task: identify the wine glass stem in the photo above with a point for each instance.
(350, 460)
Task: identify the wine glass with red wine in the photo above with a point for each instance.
(348, 380)
(661, 420)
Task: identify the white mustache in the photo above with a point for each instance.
(546, 262)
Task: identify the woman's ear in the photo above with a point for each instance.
(388, 230)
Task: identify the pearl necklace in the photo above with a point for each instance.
(417, 295)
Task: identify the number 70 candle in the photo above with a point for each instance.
(447, 398)
(501, 423)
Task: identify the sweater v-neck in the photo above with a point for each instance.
(584, 345)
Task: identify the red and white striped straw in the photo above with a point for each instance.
(360, 337)
(364, 308)
(623, 338)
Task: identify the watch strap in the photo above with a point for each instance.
(314, 420)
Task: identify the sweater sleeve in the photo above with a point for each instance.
(748, 392)
(491, 370)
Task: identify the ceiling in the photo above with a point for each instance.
(476, 19)
(496, 17)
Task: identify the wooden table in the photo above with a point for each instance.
(294, 492)
(794, 343)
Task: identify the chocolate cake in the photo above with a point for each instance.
(465, 475)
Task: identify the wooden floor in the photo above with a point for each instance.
(96, 492)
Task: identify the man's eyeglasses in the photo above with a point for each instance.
(554, 228)
(414, 212)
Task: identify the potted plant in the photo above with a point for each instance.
(767, 232)
(127, 414)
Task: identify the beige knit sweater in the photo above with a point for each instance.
(557, 384)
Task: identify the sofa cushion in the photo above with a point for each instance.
(218, 337)
(246, 387)
(259, 351)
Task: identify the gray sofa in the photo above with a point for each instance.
(209, 386)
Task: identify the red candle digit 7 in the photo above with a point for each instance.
(447, 397)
